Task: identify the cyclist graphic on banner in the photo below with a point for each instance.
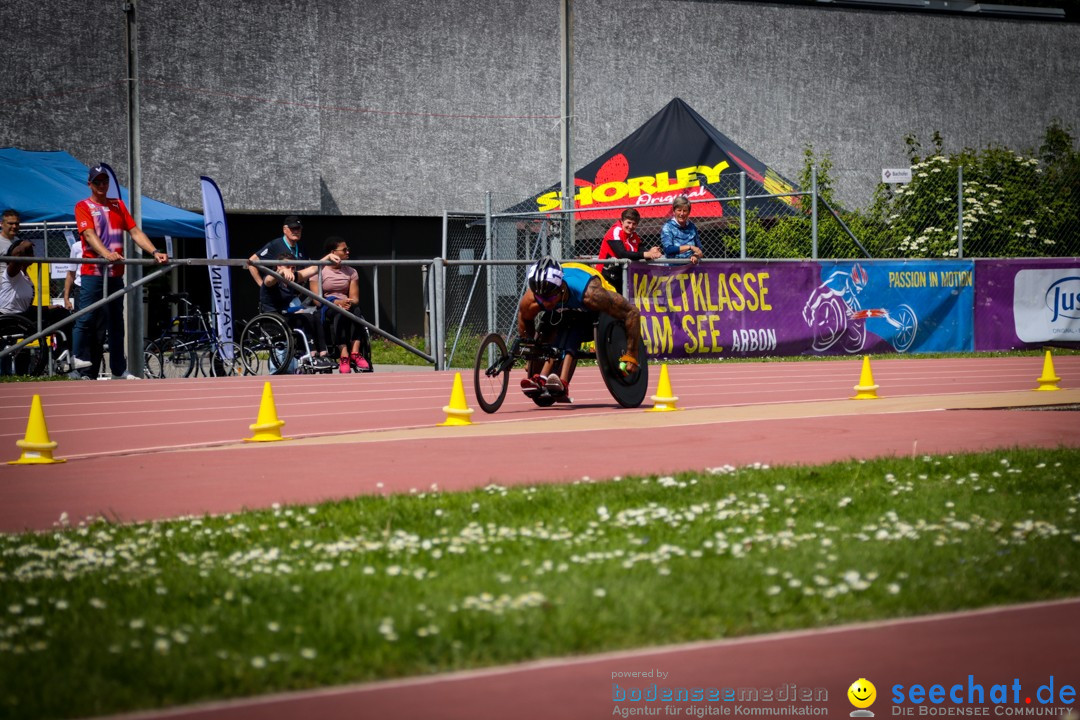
(835, 315)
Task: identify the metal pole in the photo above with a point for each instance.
(566, 65)
(134, 301)
(445, 231)
(425, 281)
(445, 235)
(429, 298)
(489, 242)
(960, 211)
(813, 214)
(375, 291)
(439, 315)
(742, 215)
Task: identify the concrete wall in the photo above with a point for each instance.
(378, 108)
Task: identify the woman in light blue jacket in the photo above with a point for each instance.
(679, 236)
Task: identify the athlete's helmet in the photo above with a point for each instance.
(545, 277)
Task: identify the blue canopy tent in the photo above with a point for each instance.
(44, 187)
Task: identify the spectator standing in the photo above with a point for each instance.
(679, 236)
(101, 222)
(622, 241)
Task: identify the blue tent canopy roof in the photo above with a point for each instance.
(44, 187)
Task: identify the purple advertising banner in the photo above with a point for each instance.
(1026, 303)
(803, 308)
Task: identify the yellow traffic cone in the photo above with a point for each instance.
(457, 412)
(1049, 380)
(664, 398)
(37, 448)
(267, 427)
(866, 389)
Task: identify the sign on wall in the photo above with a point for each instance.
(896, 175)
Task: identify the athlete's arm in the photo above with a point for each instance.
(598, 299)
(528, 309)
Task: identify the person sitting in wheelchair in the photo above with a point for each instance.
(278, 297)
(341, 286)
(17, 298)
(559, 307)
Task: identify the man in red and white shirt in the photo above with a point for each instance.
(101, 222)
(622, 241)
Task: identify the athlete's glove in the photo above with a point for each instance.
(628, 364)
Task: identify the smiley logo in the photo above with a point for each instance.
(862, 693)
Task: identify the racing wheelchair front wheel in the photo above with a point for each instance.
(491, 374)
(628, 390)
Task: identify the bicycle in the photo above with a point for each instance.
(495, 361)
(191, 345)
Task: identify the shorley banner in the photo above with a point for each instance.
(721, 309)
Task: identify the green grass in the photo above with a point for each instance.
(104, 618)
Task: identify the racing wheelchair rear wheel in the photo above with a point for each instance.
(628, 390)
(491, 373)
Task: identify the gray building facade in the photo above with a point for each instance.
(372, 108)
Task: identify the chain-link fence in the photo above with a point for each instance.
(997, 204)
(50, 240)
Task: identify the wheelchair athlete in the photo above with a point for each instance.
(546, 313)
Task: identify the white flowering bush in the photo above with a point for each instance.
(1014, 204)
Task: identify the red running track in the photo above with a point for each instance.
(1029, 643)
(130, 444)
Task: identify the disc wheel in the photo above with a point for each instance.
(27, 360)
(491, 373)
(628, 390)
(269, 340)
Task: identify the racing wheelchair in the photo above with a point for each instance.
(495, 362)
